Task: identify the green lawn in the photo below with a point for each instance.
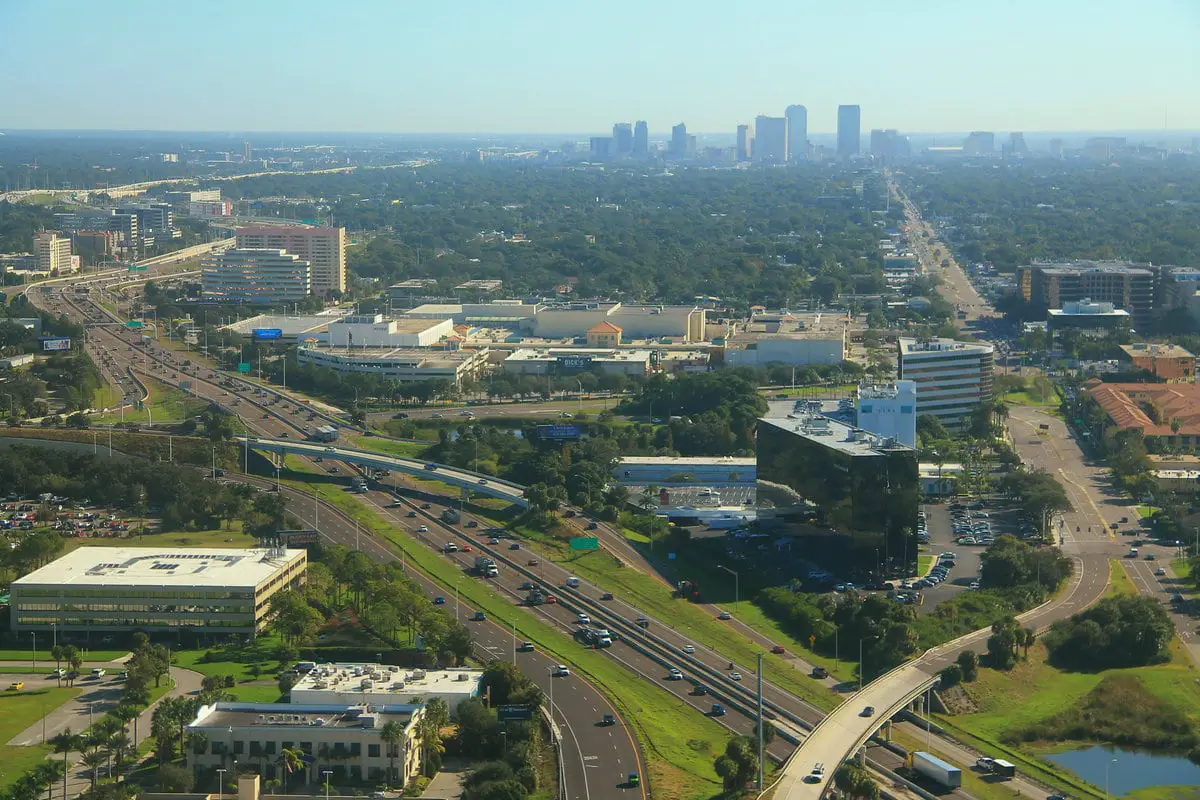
(1119, 582)
(1165, 793)
(1034, 691)
(166, 404)
(679, 742)
(924, 564)
(19, 710)
(1181, 568)
(254, 693)
(387, 446)
(1144, 512)
(211, 538)
(238, 661)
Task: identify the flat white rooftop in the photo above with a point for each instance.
(151, 566)
(376, 680)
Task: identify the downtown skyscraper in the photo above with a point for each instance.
(849, 131)
(797, 133)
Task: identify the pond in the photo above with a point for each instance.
(1133, 769)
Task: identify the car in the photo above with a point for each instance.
(479, 616)
(59, 673)
(634, 780)
(551, 599)
(17, 685)
(436, 416)
(466, 548)
(674, 675)
(565, 415)
(820, 673)
(606, 596)
(411, 514)
(1150, 556)
(725, 615)
(560, 671)
(482, 481)
(985, 764)
(778, 650)
(515, 546)
(868, 711)
(533, 562)
(1056, 797)
(1177, 598)
(99, 672)
(472, 523)
(608, 719)
(974, 585)
(689, 649)
(591, 526)
(525, 647)
(423, 529)
(948, 555)
(643, 622)
(466, 414)
(841, 587)
(439, 601)
(493, 540)
(1160, 571)
(718, 710)
(583, 619)
(735, 676)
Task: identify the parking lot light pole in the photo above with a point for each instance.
(736, 589)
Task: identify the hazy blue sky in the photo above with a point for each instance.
(580, 65)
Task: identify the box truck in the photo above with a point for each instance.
(930, 766)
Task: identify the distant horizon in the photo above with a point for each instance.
(505, 68)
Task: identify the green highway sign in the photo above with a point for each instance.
(513, 713)
(244, 367)
(133, 323)
(585, 543)
(136, 268)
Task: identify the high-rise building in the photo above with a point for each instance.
(952, 378)
(641, 138)
(247, 151)
(125, 226)
(256, 275)
(1015, 146)
(1057, 148)
(854, 485)
(979, 143)
(744, 138)
(888, 144)
(849, 131)
(888, 409)
(679, 137)
(53, 252)
(622, 135)
(600, 148)
(323, 248)
(770, 140)
(797, 132)
(1052, 284)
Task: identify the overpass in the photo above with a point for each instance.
(839, 736)
(466, 479)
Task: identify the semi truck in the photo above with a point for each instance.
(930, 766)
(451, 516)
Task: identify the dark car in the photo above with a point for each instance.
(608, 719)
(778, 650)
(820, 672)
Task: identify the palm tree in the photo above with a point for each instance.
(391, 734)
(92, 759)
(66, 743)
(126, 713)
(429, 731)
(121, 749)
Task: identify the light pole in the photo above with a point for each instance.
(736, 590)
(861, 671)
(326, 773)
(456, 603)
(1106, 768)
(221, 783)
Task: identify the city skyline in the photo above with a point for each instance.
(1082, 66)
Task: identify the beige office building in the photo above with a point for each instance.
(323, 248)
(153, 589)
(53, 252)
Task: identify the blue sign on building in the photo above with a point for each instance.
(267, 333)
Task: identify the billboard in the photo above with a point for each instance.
(51, 343)
(513, 713)
(267, 333)
(558, 432)
(298, 538)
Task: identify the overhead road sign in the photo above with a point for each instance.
(267, 333)
(244, 367)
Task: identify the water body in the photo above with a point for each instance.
(1134, 769)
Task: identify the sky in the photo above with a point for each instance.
(547, 66)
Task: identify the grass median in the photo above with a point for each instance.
(19, 711)
(679, 743)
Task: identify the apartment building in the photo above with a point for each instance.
(221, 590)
(323, 248)
(952, 378)
(53, 252)
(252, 275)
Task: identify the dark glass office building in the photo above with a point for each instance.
(840, 480)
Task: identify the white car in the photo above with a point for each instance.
(423, 529)
(689, 650)
(583, 619)
(674, 674)
(736, 676)
(560, 671)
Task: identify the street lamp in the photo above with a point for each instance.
(736, 590)
(326, 773)
(221, 783)
(861, 671)
(1106, 768)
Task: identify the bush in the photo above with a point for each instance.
(950, 675)
(1116, 632)
(968, 662)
